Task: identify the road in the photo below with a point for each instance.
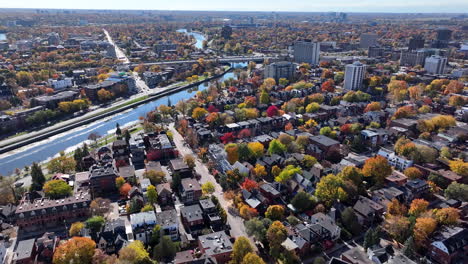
(120, 54)
(236, 223)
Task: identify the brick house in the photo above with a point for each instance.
(216, 245)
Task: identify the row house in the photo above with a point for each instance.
(159, 147)
(142, 225)
(374, 138)
(44, 213)
(216, 245)
(168, 221)
(367, 211)
(303, 236)
(449, 245)
(193, 219)
(112, 237)
(102, 179)
(190, 190)
(398, 162)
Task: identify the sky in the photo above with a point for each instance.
(399, 6)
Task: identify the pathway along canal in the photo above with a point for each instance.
(42, 150)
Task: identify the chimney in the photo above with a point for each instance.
(332, 213)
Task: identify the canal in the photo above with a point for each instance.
(48, 148)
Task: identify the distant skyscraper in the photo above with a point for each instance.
(368, 40)
(413, 58)
(278, 70)
(307, 51)
(354, 75)
(375, 52)
(416, 42)
(435, 64)
(444, 34)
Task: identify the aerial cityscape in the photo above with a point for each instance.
(244, 132)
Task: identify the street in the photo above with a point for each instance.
(236, 223)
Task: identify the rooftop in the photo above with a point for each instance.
(215, 243)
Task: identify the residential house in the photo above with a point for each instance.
(396, 178)
(324, 144)
(142, 225)
(192, 257)
(164, 193)
(216, 245)
(449, 245)
(180, 167)
(356, 255)
(394, 160)
(192, 218)
(328, 223)
(25, 252)
(112, 237)
(190, 191)
(102, 180)
(168, 221)
(211, 214)
(414, 189)
(367, 211)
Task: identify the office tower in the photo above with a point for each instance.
(354, 75)
(375, 52)
(368, 40)
(413, 58)
(307, 51)
(444, 34)
(415, 43)
(278, 70)
(435, 64)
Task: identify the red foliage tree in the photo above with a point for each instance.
(244, 133)
(227, 137)
(233, 89)
(212, 109)
(272, 111)
(346, 128)
(328, 86)
(125, 189)
(249, 184)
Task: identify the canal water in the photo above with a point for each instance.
(198, 37)
(48, 148)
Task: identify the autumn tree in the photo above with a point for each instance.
(61, 164)
(459, 167)
(287, 173)
(75, 250)
(119, 181)
(394, 208)
(252, 258)
(198, 113)
(377, 168)
(232, 153)
(330, 188)
(56, 189)
(190, 161)
(100, 206)
(303, 201)
(134, 253)
(256, 148)
(208, 188)
(276, 147)
(125, 189)
(152, 194)
(249, 184)
(413, 173)
(240, 249)
(155, 177)
(398, 227)
(75, 229)
(275, 212)
(374, 106)
(276, 234)
(447, 216)
(418, 206)
(423, 228)
(104, 95)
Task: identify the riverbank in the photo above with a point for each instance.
(21, 141)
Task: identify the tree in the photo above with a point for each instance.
(264, 97)
(395, 208)
(249, 184)
(134, 253)
(104, 95)
(119, 181)
(308, 161)
(276, 147)
(152, 194)
(198, 113)
(377, 168)
(147, 208)
(240, 249)
(95, 223)
(165, 250)
(272, 111)
(328, 86)
(418, 206)
(303, 201)
(125, 189)
(259, 171)
(232, 153)
(447, 216)
(56, 189)
(398, 227)
(459, 167)
(409, 248)
(330, 188)
(190, 161)
(413, 173)
(257, 228)
(276, 234)
(75, 229)
(458, 191)
(374, 106)
(244, 152)
(75, 250)
(155, 177)
(371, 237)
(100, 206)
(24, 78)
(350, 221)
(287, 173)
(423, 228)
(256, 148)
(37, 177)
(208, 188)
(275, 212)
(312, 107)
(62, 164)
(252, 258)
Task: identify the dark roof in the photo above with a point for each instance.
(207, 204)
(45, 206)
(189, 184)
(324, 140)
(454, 239)
(166, 218)
(24, 249)
(215, 243)
(178, 164)
(192, 212)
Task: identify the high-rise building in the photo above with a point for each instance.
(278, 70)
(368, 40)
(354, 75)
(413, 58)
(435, 64)
(307, 51)
(444, 34)
(415, 43)
(375, 52)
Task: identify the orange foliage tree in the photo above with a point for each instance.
(75, 250)
(418, 206)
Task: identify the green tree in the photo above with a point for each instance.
(56, 189)
(350, 221)
(257, 228)
(62, 164)
(275, 212)
(152, 194)
(276, 147)
(240, 249)
(166, 249)
(303, 201)
(457, 191)
(37, 177)
(287, 173)
(95, 223)
(264, 97)
(319, 260)
(409, 248)
(134, 253)
(330, 188)
(371, 238)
